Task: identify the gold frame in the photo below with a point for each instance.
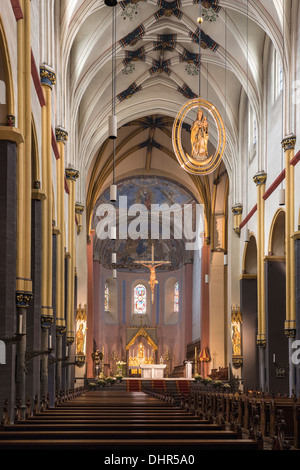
(188, 163)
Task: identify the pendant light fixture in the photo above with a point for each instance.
(246, 232)
(112, 127)
(110, 3)
(112, 120)
(281, 189)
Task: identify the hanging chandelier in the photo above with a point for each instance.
(198, 160)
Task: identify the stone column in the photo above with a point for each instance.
(260, 180)
(288, 145)
(237, 211)
(8, 250)
(61, 137)
(48, 79)
(24, 186)
(72, 176)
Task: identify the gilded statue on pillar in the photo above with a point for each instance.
(80, 338)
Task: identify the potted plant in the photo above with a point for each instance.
(198, 377)
(120, 368)
(207, 381)
(217, 384)
(92, 386)
(101, 383)
(110, 380)
(226, 387)
(119, 378)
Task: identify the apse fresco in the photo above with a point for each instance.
(150, 190)
(146, 191)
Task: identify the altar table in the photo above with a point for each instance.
(153, 371)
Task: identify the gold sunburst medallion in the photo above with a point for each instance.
(198, 161)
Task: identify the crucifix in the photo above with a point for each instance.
(152, 265)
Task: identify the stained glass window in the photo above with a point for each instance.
(176, 297)
(140, 298)
(106, 297)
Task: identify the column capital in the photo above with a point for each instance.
(237, 209)
(60, 330)
(61, 134)
(72, 174)
(261, 340)
(23, 299)
(70, 337)
(47, 317)
(290, 328)
(289, 142)
(79, 208)
(260, 178)
(47, 75)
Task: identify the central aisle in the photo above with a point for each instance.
(119, 421)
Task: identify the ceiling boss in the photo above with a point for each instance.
(197, 160)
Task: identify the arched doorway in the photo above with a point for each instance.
(248, 299)
(277, 373)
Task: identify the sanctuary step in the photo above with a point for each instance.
(112, 420)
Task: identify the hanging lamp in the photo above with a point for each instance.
(112, 120)
(112, 127)
(281, 194)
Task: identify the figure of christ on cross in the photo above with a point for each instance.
(152, 265)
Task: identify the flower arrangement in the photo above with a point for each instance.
(120, 368)
(207, 381)
(226, 387)
(110, 380)
(92, 386)
(101, 382)
(119, 377)
(197, 377)
(217, 384)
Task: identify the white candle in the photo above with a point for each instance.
(50, 342)
(20, 324)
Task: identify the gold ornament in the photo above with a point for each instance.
(198, 162)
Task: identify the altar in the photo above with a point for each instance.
(152, 371)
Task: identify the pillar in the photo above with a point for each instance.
(261, 341)
(24, 186)
(90, 324)
(288, 144)
(61, 137)
(48, 79)
(237, 211)
(71, 175)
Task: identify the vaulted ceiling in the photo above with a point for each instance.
(157, 65)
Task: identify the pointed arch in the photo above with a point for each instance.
(249, 267)
(9, 89)
(276, 246)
